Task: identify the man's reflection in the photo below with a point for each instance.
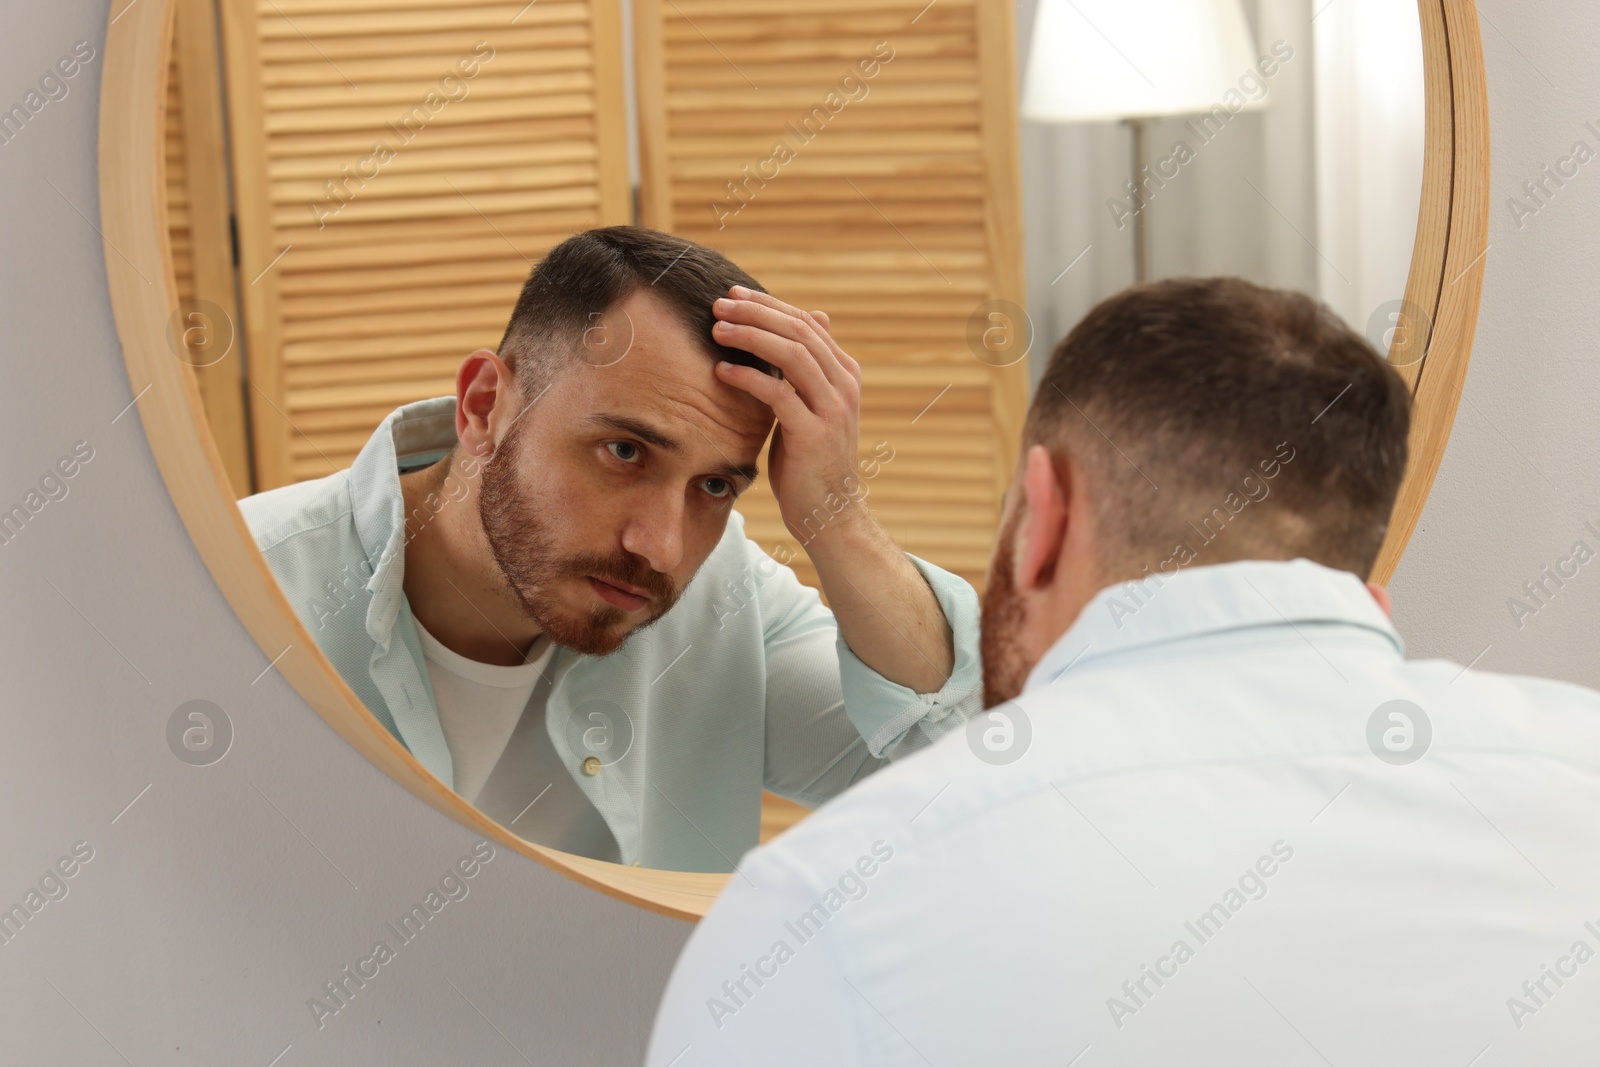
(507, 576)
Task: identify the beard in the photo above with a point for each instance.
(522, 541)
(999, 627)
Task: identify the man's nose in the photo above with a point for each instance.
(655, 532)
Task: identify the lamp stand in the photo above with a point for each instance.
(1141, 233)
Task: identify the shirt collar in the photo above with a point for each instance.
(1211, 599)
(412, 435)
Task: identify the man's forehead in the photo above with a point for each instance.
(670, 387)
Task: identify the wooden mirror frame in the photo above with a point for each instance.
(1445, 282)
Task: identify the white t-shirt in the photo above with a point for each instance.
(479, 705)
(493, 722)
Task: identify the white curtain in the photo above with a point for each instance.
(1369, 122)
(1318, 191)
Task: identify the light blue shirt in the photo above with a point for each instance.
(744, 685)
(1238, 828)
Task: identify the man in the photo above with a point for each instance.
(1212, 815)
(540, 585)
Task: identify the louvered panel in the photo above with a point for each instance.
(339, 418)
(370, 272)
(178, 228)
(197, 230)
(894, 211)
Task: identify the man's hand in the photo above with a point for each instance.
(885, 609)
(817, 403)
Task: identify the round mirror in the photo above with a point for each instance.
(338, 208)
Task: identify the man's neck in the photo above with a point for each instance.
(451, 580)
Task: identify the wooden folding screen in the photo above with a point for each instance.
(859, 156)
(398, 166)
(198, 222)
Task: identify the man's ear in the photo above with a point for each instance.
(1045, 528)
(483, 380)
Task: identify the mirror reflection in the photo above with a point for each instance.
(628, 425)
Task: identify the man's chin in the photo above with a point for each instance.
(602, 650)
(588, 642)
(594, 632)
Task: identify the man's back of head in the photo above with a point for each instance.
(1222, 820)
(1174, 393)
(1184, 423)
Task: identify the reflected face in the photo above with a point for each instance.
(1000, 637)
(608, 493)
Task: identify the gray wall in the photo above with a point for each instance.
(223, 898)
(1519, 479)
(219, 902)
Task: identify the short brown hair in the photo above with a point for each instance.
(1172, 393)
(589, 272)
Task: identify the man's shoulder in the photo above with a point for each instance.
(1130, 728)
(740, 573)
(1532, 688)
(277, 515)
(736, 548)
(916, 798)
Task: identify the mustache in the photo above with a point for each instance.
(661, 586)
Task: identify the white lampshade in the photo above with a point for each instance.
(1117, 59)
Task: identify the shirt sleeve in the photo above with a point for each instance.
(831, 719)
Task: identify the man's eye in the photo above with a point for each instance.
(727, 487)
(632, 448)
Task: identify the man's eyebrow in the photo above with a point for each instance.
(650, 435)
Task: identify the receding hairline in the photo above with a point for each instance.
(564, 290)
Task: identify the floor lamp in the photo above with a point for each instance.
(1134, 60)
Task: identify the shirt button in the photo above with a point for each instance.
(591, 766)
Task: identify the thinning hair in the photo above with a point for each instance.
(581, 279)
(1171, 395)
